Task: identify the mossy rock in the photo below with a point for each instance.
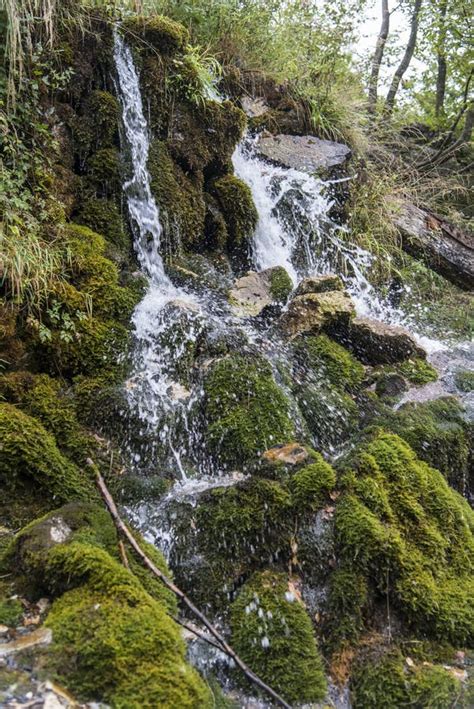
(203, 139)
(243, 524)
(47, 400)
(347, 601)
(241, 217)
(273, 634)
(104, 171)
(103, 217)
(245, 412)
(327, 359)
(179, 197)
(439, 434)
(389, 681)
(397, 513)
(464, 380)
(31, 462)
(11, 611)
(310, 486)
(102, 111)
(156, 32)
(281, 285)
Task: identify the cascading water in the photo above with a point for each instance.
(151, 390)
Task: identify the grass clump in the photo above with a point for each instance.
(245, 411)
(273, 634)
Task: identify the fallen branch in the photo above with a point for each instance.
(125, 532)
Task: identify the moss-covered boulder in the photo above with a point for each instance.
(387, 678)
(401, 526)
(326, 359)
(245, 412)
(113, 639)
(31, 464)
(312, 312)
(273, 634)
(311, 485)
(235, 200)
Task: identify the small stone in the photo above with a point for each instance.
(290, 454)
(4, 630)
(41, 636)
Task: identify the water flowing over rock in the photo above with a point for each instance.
(303, 152)
(375, 342)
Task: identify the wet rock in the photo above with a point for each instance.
(254, 107)
(314, 311)
(391, 384)
(374, 342)
(319, 284)
(444, 247)
(255, 291)
(41, 636)
(303, 152)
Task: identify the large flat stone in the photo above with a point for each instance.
(303, 152)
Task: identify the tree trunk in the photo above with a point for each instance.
(404, 64)
(378, 56)
(441, 59)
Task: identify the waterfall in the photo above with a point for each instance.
(144, 213)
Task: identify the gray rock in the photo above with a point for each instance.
(444, 247)
(303, 152)
(255, 291)
(374, 342)
(314, 311)
(319, 284)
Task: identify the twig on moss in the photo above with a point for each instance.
(123, 554)
(223, 645)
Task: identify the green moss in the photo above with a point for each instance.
(273, 634)
(326, 358)
(163, 34)
(465, 380)
(102, 111)
(438, 433)
(235, 200)
(399, 523)
(119, 646)
(180, 198)
(389, 682)
(29, 457)
(46, 399)
(418, 371)
(311, 485)
(241, 523)
(245, 412)
(347, 601)
(103, 216)
(104, 170)
(11, 611)
(281, 285)
(97, 346)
